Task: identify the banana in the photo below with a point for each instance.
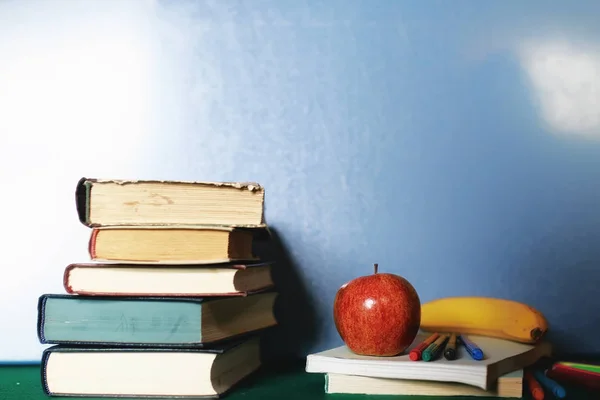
(485, 316)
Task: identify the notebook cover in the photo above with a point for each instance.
(61, 348)
(106, 345)
(228, 265)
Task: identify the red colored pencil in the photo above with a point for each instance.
(536, 390)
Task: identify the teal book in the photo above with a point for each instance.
(79, 371)
(151, 321)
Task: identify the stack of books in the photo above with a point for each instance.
(500, 373)
(173, 300)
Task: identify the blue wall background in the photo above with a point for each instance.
(411, 134)
(454, 143)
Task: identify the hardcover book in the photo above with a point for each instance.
(151, 321)
(110, 202)
(183, 245)
(226, 279)
(148, 372)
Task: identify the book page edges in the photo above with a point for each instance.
(117, 264)
(175, 262)
(227, 265)
(258, 232)
(507, 386)
(84, 187)
(250, 186)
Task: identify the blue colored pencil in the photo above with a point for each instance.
(550, 384)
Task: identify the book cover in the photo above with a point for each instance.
(113, 202)
(168, 244)
(167, 280)
(151, 321)
(78, 371)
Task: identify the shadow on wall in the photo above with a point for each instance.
(295, 310)
(567, 295)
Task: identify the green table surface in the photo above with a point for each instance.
(23, 382)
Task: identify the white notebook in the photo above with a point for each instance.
(500, 357)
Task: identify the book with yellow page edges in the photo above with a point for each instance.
(112, 202)
(507, 386)
(171, 244)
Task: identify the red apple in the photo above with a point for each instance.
(378, 314)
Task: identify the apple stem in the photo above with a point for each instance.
(376, 267)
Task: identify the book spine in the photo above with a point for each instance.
(66, 278)
(327, 383)
(40, 319)
(92, 243)
(82, 200)
(43, 372)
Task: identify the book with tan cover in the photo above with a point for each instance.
(111, 202)
(507, 386)
(171, 245)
